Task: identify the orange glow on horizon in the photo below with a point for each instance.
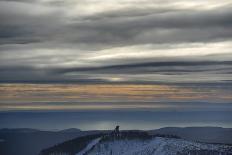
(40, 96)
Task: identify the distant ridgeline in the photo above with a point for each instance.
(74, 146)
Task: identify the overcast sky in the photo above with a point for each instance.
(181, 41)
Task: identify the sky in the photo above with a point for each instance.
(108, 57)
(115, 41)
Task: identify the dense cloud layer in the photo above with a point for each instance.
(115, 41)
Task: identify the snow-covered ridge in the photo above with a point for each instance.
(158, 146)
(135, 143)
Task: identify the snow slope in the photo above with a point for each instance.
(89, 146)
(158, 146)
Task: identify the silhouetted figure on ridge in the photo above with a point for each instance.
(116, 132)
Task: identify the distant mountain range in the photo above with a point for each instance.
(31, 141)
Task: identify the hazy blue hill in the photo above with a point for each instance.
(18, 130)
(71, 130)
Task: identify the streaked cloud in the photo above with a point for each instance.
(97, 41)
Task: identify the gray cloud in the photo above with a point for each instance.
(152, 64)
(180, 26)
(116, 28)
(64, 41)
(164, 72)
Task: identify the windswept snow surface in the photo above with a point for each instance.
(157, 146)
(89, 146)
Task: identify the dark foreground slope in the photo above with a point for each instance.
(31, 142)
